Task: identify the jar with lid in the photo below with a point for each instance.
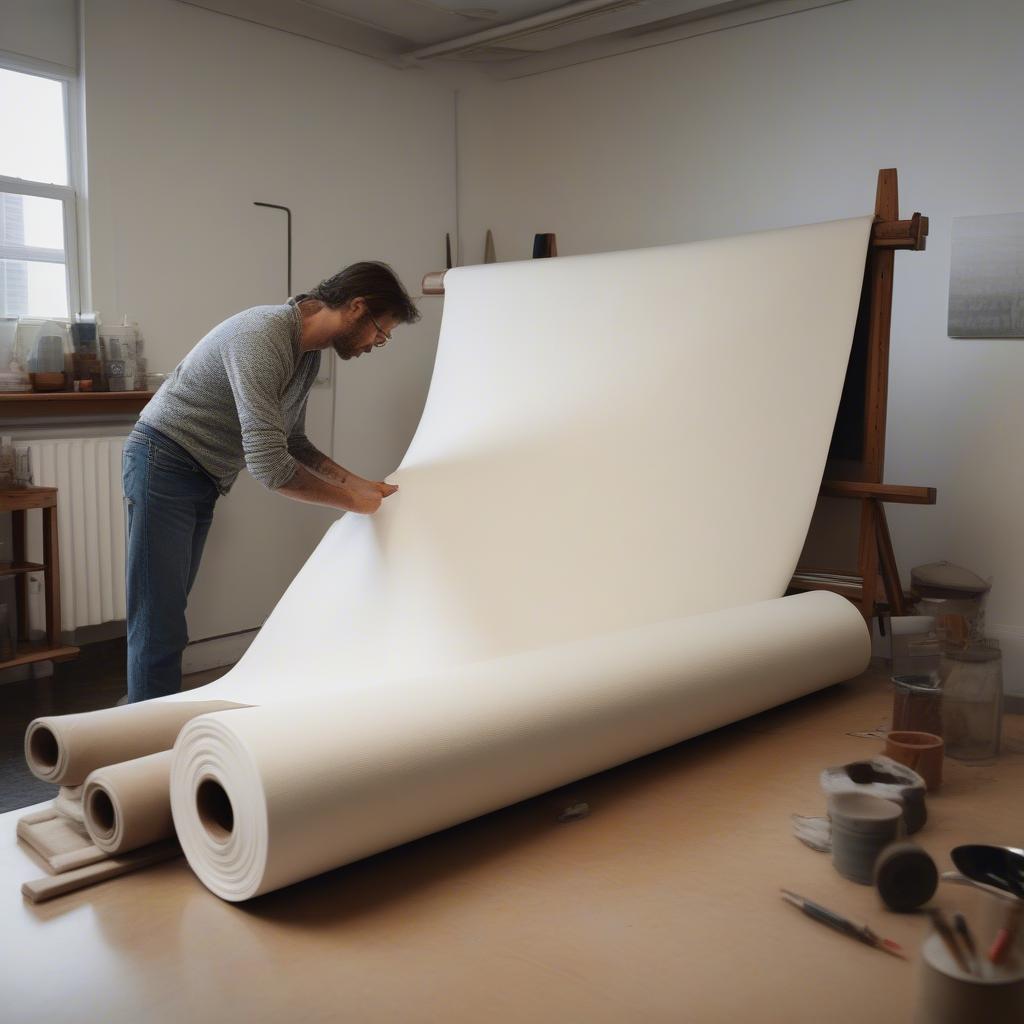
(972, 700)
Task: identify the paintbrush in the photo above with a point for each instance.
(945, 933)
(862, 933)
(964, 934)
(1006, 935)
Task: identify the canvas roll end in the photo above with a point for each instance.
(218, 810)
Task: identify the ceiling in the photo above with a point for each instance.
(501, 38)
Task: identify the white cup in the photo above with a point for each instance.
(948, 995)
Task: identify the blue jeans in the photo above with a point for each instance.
(169, 502)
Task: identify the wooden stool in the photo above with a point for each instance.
(17, 500)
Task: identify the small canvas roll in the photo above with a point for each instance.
(65, 748)
(128, 805)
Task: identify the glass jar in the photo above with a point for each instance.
(917, 704)
(972, 700)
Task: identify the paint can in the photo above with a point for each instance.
(862, 827)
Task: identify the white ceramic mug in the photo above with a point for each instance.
(948, 995)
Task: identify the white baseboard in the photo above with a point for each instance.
(216, 652)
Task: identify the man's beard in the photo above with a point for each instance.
(346, 343)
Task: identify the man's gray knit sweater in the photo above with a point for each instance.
(239, 398)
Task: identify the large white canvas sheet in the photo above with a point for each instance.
(609, 440)
(607, 493)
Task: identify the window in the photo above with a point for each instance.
(38, 239)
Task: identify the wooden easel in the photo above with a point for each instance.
(875, 587)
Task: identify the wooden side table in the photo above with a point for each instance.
(17, 501)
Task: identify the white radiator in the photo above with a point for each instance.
(90, 520)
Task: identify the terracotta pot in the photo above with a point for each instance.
(922, 751)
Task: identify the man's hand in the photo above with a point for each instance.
(355, 495)
(367, 495)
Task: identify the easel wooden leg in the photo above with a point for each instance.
(18, 555)
(52, 575)
(868, 559)
(890, 573)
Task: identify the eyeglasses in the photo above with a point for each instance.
(380, 331)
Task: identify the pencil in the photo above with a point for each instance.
(964, 934)
(862, 933)
(945, 933)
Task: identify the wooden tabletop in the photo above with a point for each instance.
(21, 497)
(662, 905)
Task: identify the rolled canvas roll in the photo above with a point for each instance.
(65, 748)
(128, 805)
(264, 797)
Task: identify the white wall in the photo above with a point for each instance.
(40, 30)
(191, 116)
(786, 122)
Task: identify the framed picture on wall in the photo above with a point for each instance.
(986, 277)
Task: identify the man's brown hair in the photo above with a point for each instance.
(374, 282)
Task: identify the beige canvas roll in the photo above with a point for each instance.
(128, 805)
(264, 797)
(65, 748)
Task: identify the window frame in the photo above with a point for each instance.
(67, 195)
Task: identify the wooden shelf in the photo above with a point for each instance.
(27, 653)
(18, 501)
(73, 403)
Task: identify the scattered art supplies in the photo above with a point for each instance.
(972, 701)
(963, 979)
(954, 597)
(905, 876)
(947, 675)
(921, 751)
(914, 649)
(915, 663)
(860, 932)
(881, 776)
(999, 866)
(862, 827)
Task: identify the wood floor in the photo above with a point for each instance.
(96, 679)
